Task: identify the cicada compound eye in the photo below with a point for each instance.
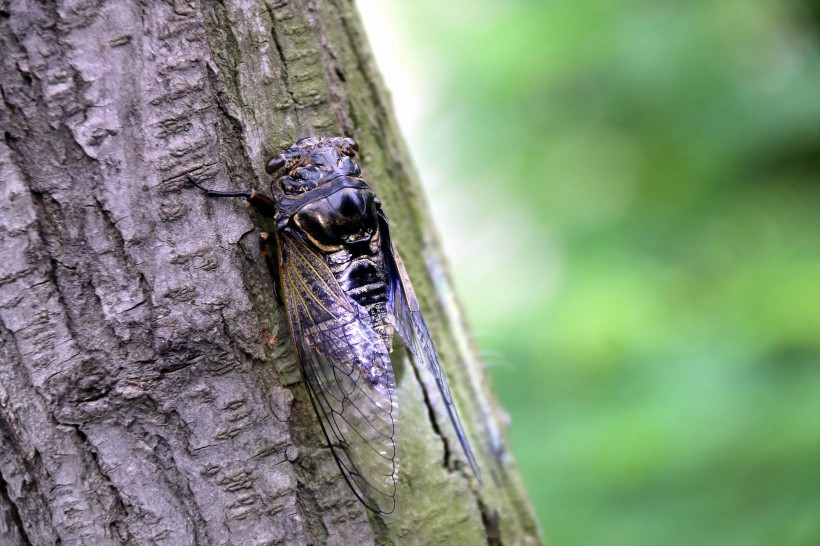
(275, 163)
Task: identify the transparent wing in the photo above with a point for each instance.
(348, 373)
(410, 325)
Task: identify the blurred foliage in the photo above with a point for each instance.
(629, 194)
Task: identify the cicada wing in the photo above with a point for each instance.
(348, 373)
(410, 325)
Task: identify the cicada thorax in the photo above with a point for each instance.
(324, 200)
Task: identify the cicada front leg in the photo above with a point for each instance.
(261, 203)
(265, 206)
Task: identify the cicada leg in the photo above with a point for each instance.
(262, 204)
(265, 206)
(268, 250)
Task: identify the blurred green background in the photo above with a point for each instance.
(629, 197)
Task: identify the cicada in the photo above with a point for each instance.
(346, 292)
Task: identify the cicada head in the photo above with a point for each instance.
(319, 192)
(310, 162)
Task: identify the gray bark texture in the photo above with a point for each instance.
(149, 392)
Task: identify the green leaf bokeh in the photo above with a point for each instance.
(629, 195)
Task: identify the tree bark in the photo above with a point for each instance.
(149, 392)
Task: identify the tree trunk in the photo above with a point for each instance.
(148, 387)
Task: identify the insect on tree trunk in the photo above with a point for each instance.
(149, 391)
